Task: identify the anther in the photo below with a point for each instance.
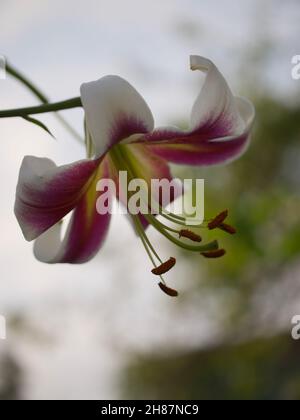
(168, 291)
(164, 267)
(185, 233)
(214, 254)
(227, 228)
(218, 220)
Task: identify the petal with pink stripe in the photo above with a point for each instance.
(220, 125)
(86, 230)
(114, 111)
(46, 193)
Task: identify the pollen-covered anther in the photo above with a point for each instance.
(227, 228)
(213, 224)
(164, 267)
(218, 253)
(167, 290)
(185, 233)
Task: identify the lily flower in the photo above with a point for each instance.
(121, 127)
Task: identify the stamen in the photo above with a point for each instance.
(227, 228)
(164, 267)
(214, 254)
(218, 220)
(178, 220)
(168, 290)
(185, 233)
(194, 248)
(146, 243)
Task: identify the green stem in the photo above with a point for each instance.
(145, 239)
(41, 109)
(211, 246)
(12, 71)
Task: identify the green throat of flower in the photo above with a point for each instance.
(179, 233)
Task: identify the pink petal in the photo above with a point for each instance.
(46, 193)
(86, 231)
(205, 153)
(220, 125)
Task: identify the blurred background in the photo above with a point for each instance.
(103, 330)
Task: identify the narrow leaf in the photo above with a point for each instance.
(38, 123)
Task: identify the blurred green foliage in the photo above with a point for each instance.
(266, 369)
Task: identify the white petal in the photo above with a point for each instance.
(246, 110)
(47, 247)
(114, 111)
(215, 105)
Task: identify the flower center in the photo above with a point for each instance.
(176, 228)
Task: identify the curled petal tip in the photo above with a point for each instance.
(199, 63)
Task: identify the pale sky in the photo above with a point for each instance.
(82, 320)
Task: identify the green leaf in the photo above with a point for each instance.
(38, 123)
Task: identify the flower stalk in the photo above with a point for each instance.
(16, 74)
(42, 109)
